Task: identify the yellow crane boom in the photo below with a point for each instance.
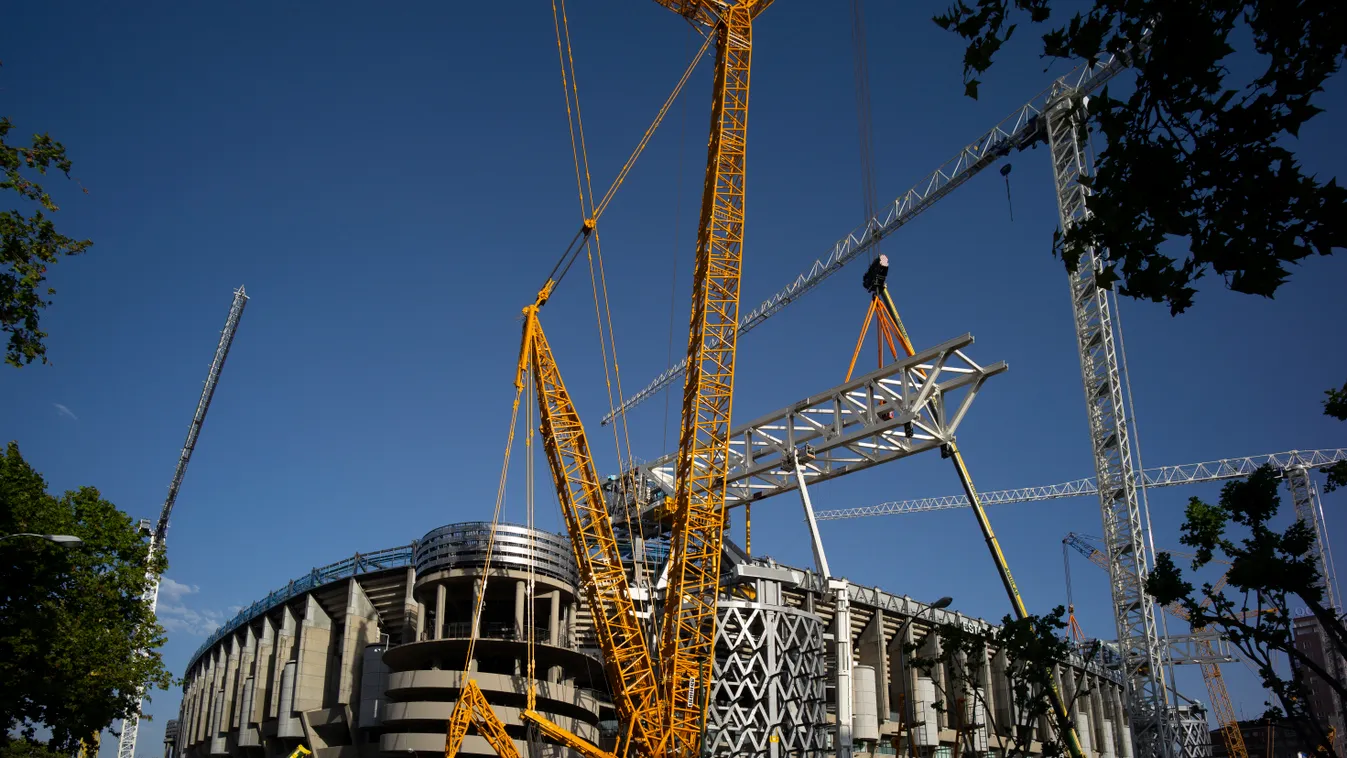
(687, 636)
(630, 672)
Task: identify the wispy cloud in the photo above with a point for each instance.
(176, 614)
(64, 411)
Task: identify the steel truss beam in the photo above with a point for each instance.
(1161, 476)
(1020, 129)
(907, 407)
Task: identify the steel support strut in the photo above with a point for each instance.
(1139, 643)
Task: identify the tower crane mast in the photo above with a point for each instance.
(126, 745)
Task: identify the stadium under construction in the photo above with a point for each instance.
(643, 631)
(365, 657)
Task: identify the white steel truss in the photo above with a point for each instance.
(1153, 731)
(1160, 476)
(907, 407)
(126, 744)
(1016, 131)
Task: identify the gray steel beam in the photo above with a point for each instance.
(907, 407)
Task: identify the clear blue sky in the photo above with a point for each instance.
(393, 184)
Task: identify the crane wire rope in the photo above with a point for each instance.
(480, 599)
(673, 273)
(861, 69)
(591, 242)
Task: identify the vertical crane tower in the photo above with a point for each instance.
(687, 635)
(126, 746)
(1153, 729)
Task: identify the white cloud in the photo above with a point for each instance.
(64, 411)
(176, 616)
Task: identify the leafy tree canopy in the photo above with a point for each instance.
(72, 619)
(1195, 152)
(29, 241)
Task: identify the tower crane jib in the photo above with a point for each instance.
(126, 745)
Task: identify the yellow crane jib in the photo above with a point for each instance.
(563, 736)
(300, 752)
(472, 709)
(627, 662)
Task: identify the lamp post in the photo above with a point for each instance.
(909, 713)
(59, 539)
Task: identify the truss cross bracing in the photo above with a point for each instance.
(1124, 538)
(1160, 476)
(907, 407)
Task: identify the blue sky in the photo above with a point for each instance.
(393, 185)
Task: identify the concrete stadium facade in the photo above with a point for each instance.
(364, 659)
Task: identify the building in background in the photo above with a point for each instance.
(1312, 643)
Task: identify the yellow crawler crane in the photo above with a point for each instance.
(687, 637)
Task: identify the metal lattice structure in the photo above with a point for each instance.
(1018, 130)
(1305, 499)
(1160, 476)
(627, 660)
(1194, 736)
(126, 745)
(1123, 532)
(769, 682)
(907, 407)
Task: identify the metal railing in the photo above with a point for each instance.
(360, 563)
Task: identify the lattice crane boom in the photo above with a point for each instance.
(1160, 476)
(630, 672)
(126, 744)
(687, 635)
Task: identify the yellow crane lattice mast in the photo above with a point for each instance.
(687, 635)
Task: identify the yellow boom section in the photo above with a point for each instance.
(687, 637)
(473, 710)
(626, 656)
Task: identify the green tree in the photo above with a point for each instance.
(72, 619)
(1268, 569)
(29, 242)
(1196, 154)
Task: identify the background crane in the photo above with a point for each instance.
(126, 746)
(1211, 672)
(1160, 476)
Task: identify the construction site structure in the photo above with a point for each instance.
(126, 744)
(362, 659)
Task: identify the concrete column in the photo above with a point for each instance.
(874, 653)
(439, 611)
(315, 642)
(571, 640)
(520, 618)
(360, 627)
(285, 643)
(411, 611)
(420, 622)
(842, 643)
(554, 622)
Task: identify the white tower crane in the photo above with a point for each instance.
(126, 746)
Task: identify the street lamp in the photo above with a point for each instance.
(60, 539)
(909, 713)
